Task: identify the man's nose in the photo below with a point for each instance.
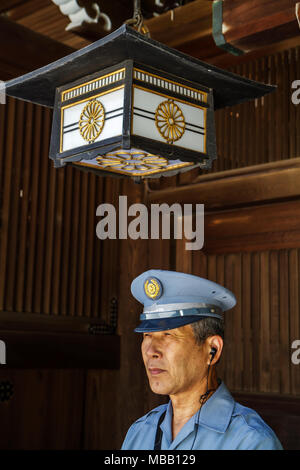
(153, 348)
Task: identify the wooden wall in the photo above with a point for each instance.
(52, 264)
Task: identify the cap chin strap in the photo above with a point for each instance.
(180, 310)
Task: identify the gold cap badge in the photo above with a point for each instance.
(153, 288)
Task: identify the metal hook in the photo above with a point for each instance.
(138, 21)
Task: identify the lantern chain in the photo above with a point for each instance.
(137, 21)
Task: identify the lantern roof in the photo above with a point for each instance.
(39, 86)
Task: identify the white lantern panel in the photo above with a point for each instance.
(92, 120)
(165, 119)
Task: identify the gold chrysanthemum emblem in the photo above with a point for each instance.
(152, 288)
(132, 161)
(91, 121)
(170, 121)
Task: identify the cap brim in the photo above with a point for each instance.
(163, 324)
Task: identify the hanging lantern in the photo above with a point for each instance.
(127, 105)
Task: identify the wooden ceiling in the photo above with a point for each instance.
(256, 26)
(43, 17)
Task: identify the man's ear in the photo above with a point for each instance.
(214, 349)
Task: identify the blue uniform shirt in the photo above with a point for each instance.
(222, 423)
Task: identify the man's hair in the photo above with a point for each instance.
(207, 326)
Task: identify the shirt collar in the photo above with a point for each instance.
(217, 410)
(215, 414)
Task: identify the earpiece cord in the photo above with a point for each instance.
(202, 400)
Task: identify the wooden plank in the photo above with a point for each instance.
(188, 27)
(249, 23)
(212, 268)
(36, 349)
(271, 107)
(42, 214)
(91, 240)
(229, 347)
(9, 4)
(218, 126)
(54, 28)
(50, 221)
(184, 24)
(32, 231)
(24, 208)
(246, 308)
(101, 427)
(25, 321)
(257, 183)
(200, 263)
(216, 56)
(3, 119)
(226, 141)
(265, 372)
(183, 257)
(284, 313)
(253, 220)
(286, 103)
(8, 174)
(297, 107)
(236, 325)
(274, 322)
(82, 241)
(98, 251)
(271, 226)
(12, 254)
(238, 129)
(252, 121)
(40, 413)
(109, 281)
(58, 242)
(37, 50)
(260, 108)
(292, 107)
(220, 273)
(66, 241)
(249, 243)
(294, 323)
(74, 242)
(25, 10)
(243, 112)
(256, 316)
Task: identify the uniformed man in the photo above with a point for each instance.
(182, 327)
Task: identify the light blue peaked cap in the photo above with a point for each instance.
(172, 299)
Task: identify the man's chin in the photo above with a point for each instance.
(158, 387)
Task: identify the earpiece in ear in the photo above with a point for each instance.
(213, 352)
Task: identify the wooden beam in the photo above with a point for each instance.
(184, 24)
(249, 24)
(255, 184)
(48, 323)
(23, 50)
(265, 227)
(34, 349)
(258, 26)
(7, 5)
(264, 216)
